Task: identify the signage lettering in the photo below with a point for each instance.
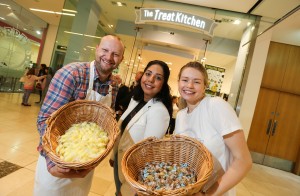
(170, 16)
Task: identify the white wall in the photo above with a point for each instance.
(49, 44)
(254, 80)
(229, 70)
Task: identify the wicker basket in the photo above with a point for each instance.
(77, 112)
(176, 149)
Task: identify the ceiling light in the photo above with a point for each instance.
(4, 5)
(72, 11)
(91, 47)
(38, 32)
(248, 24)
(237, 22)
(110, 26)
(2, 18)
(118, 3)
(51, 12)
(86, 35)
(92, 36)
(73, 33)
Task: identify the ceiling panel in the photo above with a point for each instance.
(275, 9)
(231, 5)
(53, 5)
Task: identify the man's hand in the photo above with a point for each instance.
(69, 173)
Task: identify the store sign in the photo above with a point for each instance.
(151, 15)
(60, 47)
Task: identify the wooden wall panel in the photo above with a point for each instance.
(291, 79)
(275, 65)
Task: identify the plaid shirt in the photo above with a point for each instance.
(68, 84)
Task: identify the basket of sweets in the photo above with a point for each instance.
(80, 134)
(178, 165)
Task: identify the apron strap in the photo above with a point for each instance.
(92, 74)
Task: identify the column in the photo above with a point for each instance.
(84, 23)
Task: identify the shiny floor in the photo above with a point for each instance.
(19, 138)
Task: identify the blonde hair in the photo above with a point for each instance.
(199, 67)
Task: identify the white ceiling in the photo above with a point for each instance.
(270, 10)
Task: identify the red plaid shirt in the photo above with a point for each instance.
(68, 84)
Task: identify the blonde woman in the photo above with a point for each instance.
(213, 122)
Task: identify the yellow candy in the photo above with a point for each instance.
(82, 142)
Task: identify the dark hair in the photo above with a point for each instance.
(50, 71)
(44, 66)
(31, 71)
(164, 95)
(199, 67)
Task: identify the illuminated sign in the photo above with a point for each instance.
(149, 15)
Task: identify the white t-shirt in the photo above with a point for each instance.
(209, 122)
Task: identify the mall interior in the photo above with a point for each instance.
(251, 50)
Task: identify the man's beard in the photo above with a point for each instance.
(105, 70)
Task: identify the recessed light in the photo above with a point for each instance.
(38, 32)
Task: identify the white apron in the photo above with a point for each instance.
(47, 185)
(95, 96)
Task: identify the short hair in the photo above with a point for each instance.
(116, 37)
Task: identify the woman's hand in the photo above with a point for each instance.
(111, 162)
(116, 79)
(69, 173)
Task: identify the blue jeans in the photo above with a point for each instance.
(116, 175)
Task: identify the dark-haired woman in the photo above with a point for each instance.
(148, 114)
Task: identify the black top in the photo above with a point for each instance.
(131, 115)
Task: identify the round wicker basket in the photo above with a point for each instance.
(77, 112)
(176, 149)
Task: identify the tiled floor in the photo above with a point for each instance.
(19, 138)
